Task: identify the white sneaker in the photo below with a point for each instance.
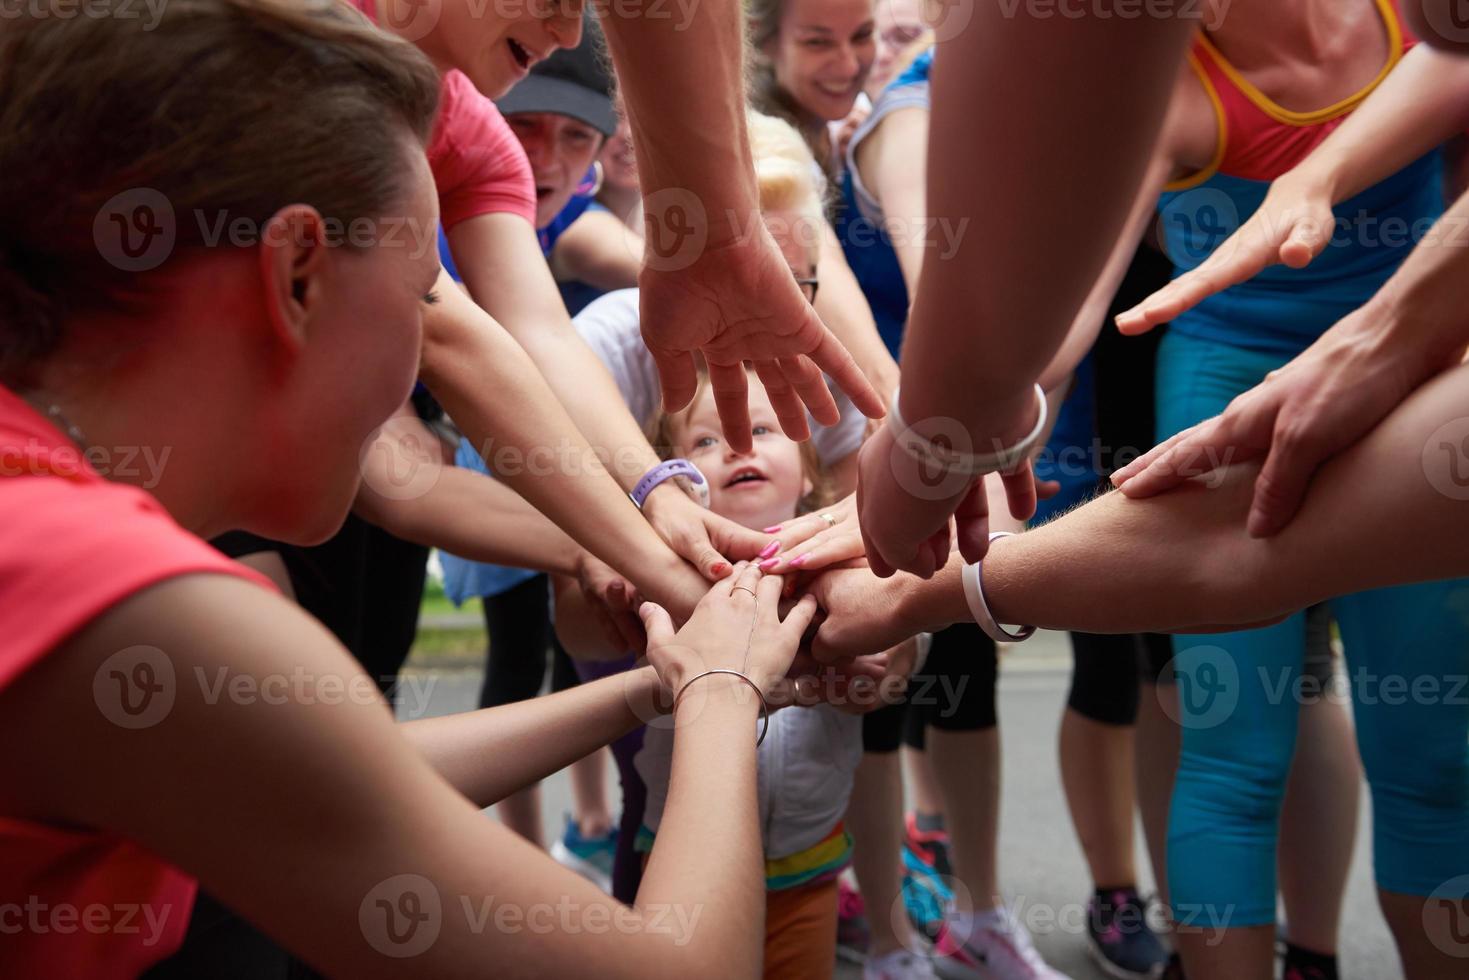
(997, 948)
(900, 964)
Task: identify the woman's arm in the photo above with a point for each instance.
(1337, 390)
(599, 250)
(491, 388)
(706, 283)
(990, 314)
(843, 308)
(501, 262)
(489, 754)
(893, 161)
(408, 491)
(277, 778)
(1392, 509)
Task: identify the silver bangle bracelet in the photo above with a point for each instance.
(980, 609)
(764, 707)
(926, 451)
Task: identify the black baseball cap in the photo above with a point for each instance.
(572, 82)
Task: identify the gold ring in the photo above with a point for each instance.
(741, 588)
(829, 519)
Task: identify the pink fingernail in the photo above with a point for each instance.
(770, 549)
(771, 530)
(801, 560)
(718, 568)
(768, 564)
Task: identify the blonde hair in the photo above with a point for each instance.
(660, 435)
(788, 177)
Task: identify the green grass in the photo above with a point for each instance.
(456, 647)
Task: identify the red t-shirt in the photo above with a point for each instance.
(77, 903)
(478, 164)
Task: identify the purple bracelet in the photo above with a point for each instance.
(667, 470)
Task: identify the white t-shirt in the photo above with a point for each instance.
(610, 326)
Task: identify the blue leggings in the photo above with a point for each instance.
(1407, 652)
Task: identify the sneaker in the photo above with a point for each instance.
(854, 935)
(926, 876)
(590, 857)
(925, 896)
(900, 964)
(931, 847)
(999, 948)
(1120, 939)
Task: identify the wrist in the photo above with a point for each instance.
(1416, 319)
(936, 603)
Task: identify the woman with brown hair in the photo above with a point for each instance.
(194, 724)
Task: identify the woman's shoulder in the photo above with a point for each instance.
(80, 546)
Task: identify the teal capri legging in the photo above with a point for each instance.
(1407, 654)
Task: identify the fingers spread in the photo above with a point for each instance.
(805, 377)
(783, 399)
(830, 356)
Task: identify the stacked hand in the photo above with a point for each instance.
(736, 626)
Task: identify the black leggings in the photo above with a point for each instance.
(518, 622)
(954, 692)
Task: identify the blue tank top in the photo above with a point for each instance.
(865, 241)
(1281, 309)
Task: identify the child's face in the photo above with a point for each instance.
(758, 489)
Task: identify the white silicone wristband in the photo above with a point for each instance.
(926, 451)
(974, 596)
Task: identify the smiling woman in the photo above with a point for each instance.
(811, 61)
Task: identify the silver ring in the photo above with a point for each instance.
(741, 588)
(830, 520)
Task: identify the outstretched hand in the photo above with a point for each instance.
(1291, 226)
(736, 304)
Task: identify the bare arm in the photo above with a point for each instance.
(409, 492)
(599, 250)
(486, 755)
(1380, 514)
(492, 389)
(981, 375)
(312, 815)
(843, 308)
(893, 162)
(501, 262)
(707, 285)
